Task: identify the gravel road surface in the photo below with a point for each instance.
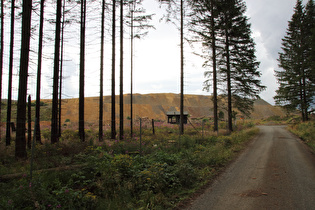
(276, 171)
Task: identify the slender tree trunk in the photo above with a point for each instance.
(301, 89)
(1, 54)
(20, 143)
(8, 131)
(304, 98)
(304, 102)
(121, 93)
(39, 70)
(113, 122)
(301, 100)
(29, 122)
(214, 67)
(61, 67)
(131, 68)
(100, 133)
(228, 67)
(82, 69)
(54, 118)
(181, 68)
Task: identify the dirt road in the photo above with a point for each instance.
(277, 171)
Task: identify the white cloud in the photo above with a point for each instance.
(269, 21)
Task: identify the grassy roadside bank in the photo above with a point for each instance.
(306, 131)
(115, 175)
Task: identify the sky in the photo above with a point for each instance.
(157, 56)
(160, 73)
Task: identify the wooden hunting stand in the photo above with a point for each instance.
(174, 117)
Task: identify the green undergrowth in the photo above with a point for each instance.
(120, 174)
(306, 131)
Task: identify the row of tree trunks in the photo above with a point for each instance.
(57, 71)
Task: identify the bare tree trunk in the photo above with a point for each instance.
(304, 95)
(113, 122)
(39, 70)
(54, 118)
(131, 66)
(228, 67)
(214, 66)
(301, 100)
(8, 131)
(1, 54)
(61, 67)
(100, 132)
(29, 122)
(20, 144)
(181, 68)
(82, 69)
(121, 93)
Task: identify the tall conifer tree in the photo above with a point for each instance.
(223, 27)
(138, 23)
(170, 10)
(296, 90)
(205, 24)
(240, 70)
(246, 85)
(309, 27)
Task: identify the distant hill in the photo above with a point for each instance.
(155, 106)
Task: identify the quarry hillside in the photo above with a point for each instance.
(155, 106)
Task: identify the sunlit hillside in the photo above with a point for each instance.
(155, 106)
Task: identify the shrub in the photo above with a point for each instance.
(69, 136)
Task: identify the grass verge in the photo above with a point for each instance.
(306, 131)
